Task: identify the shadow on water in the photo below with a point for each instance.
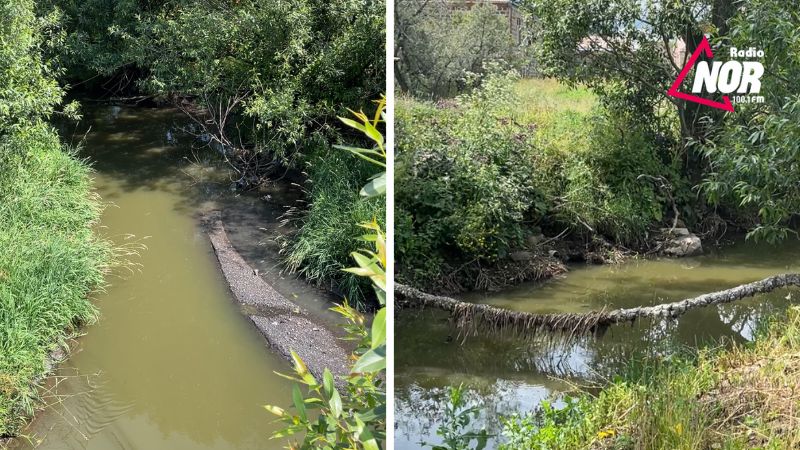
(430, 356)
(172, 363)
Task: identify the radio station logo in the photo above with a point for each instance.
(740, 77)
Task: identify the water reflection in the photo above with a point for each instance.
(531, 370)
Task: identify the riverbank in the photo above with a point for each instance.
(504, 375)
(284, 325)
(744, 397)
(50, 263)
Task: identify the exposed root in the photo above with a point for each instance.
(473, 318)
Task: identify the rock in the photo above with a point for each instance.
(680, 246)
(676, 232)
(521, 256)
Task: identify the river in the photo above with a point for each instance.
(505, 376)
(171, 363)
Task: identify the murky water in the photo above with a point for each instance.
(172, 363)
(505, 376)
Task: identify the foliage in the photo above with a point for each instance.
(28, 91)
(438, 45)
(269, 76)
(455, 430)
(476, 177)
(329, 225)
(733, 399)
(372, 264)
(625, 51)
(375, 155)
(324, 243)
(755, 155)
(356, 420)
(50, 261)
(51, 258)
(353, 419)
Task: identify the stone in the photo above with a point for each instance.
(683, 246)
(675, 232)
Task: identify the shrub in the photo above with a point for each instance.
(464, 184)
(476, 176)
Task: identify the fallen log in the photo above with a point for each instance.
(472, 318)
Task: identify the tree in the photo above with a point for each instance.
(754, 157)
(630, 52)
(28, 90)
(438, 45)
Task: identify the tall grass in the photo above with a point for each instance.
(329, 229)
(745, 397)
(50, 260)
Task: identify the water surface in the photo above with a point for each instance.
(171, 363)
(507, 376)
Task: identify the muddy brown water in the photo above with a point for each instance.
(171, 363)
(504, 376)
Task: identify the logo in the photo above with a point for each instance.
(711, 77)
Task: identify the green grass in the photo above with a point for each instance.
(329, 228)
(745, 397)
(49, 263)
(547, 94)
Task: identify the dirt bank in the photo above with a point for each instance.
(284, 324)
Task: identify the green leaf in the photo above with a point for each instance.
(336, 404)
(297, 398)
(375, 187)
(378, 334)
(327, 383)
(372, 361)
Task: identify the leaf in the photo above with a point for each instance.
(364, 154)
(377, 413)
(372, 361)
(327, 382)
(336, 404)
(297, 398)
(375, 188)
(278, 411)
(379, 329)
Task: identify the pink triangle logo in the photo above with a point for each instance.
(704, 46)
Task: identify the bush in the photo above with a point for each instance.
(754, 155)
(273, 74)
(476, 176)
(439, 45)
(464, 184)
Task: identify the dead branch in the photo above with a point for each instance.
(472, 318)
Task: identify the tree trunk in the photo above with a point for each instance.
(474, 318)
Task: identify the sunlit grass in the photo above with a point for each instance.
(745, 397)
(547, 94)
(49, 263)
